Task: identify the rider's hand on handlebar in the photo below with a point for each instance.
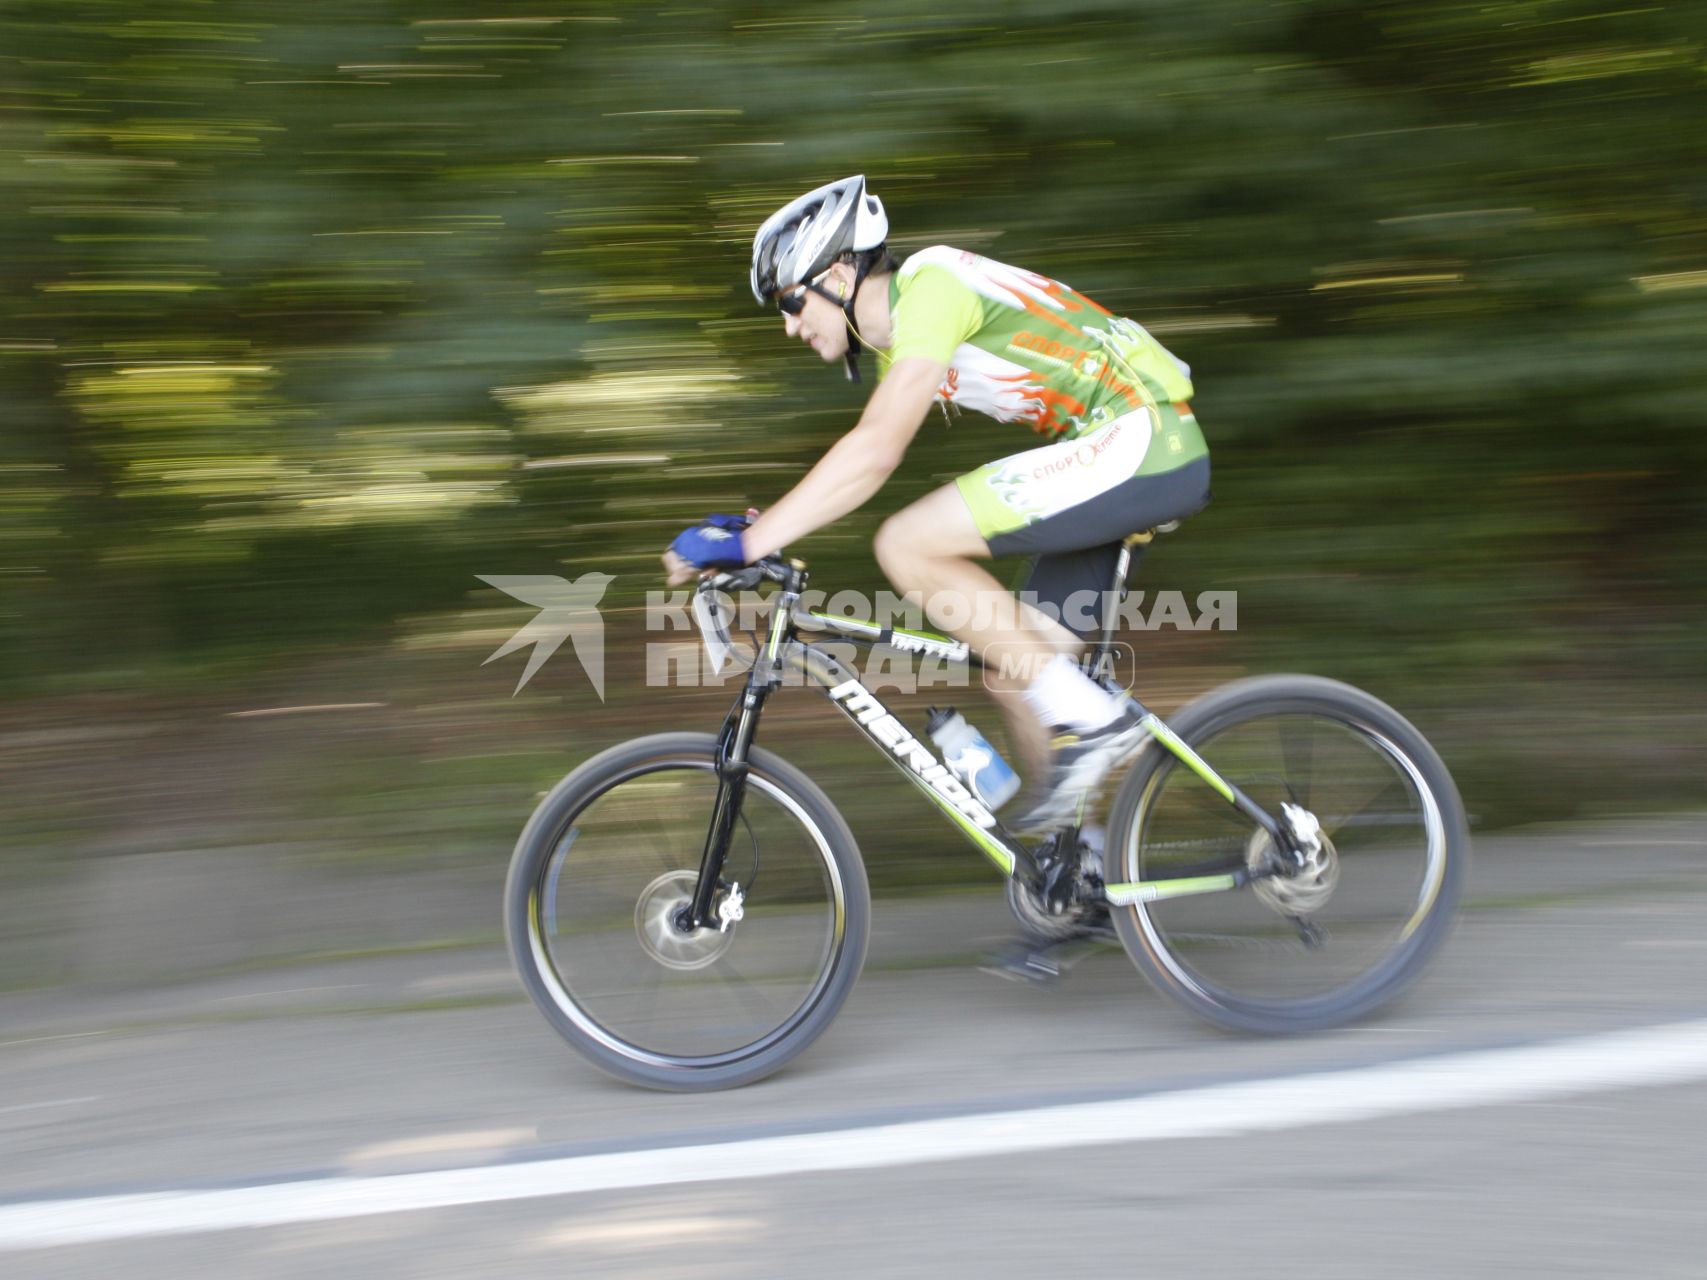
(679, 570)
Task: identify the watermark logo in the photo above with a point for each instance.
(567, 611)
(888, 642)
(1016, 666)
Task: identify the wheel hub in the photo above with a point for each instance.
(1305, 887)
(663, 904)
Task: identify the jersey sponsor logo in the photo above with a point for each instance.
(1093, 366)
(1025, 340)
(1085, 453)
(857, 701)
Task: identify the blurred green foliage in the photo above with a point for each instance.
(312, 313)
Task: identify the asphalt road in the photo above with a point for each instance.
(291, 1077)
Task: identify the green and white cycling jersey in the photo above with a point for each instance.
(1021, 347)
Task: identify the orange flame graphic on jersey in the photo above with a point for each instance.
(1043, 409)
(1069, 300)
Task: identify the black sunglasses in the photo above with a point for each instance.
(793, 302)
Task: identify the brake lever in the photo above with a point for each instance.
(736, 579)
(774, 568)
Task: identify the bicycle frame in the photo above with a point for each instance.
(782, 649)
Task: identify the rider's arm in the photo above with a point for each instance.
(856, 466)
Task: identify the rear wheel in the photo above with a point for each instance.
(1346, 933)
(594, 912)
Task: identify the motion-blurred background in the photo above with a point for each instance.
(310, 314)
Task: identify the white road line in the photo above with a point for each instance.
(1671, 1054)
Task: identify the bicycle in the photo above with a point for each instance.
(1300, 881)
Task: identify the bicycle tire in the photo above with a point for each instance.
(1266, 701)
(547, 842)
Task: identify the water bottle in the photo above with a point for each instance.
(972, 759)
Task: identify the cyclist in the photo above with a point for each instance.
(1123, 453)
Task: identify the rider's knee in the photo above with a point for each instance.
(897, 544)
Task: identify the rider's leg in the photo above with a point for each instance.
(928, 551)
(1141, 469)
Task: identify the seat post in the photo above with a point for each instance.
(1130, 557)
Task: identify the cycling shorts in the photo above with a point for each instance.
(1094, 488)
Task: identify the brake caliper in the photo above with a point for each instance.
(731, 909)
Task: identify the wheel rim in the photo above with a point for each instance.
(1382, 873)
(622, 863)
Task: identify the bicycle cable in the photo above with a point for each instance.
(754, 878)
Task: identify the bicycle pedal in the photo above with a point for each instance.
(1042, 963)
(1029, 966)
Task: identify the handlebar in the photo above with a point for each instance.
(708, 612)
(770, 569)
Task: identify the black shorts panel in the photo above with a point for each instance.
(1065, 563)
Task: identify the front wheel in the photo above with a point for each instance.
(594, 915)
(1339, 938)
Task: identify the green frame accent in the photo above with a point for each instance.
(833, 622)
(779, 629)
(1174, 743)
(1136, 891)
(991, 847)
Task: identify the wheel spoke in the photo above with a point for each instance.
(651, 978)
(746, 992)
(1391, 787)
(1297, 750)
(1204, 803)
(664, 852)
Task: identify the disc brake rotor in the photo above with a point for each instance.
(661, 902)
(1302, 893)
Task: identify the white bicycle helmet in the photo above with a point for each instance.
(805, 238)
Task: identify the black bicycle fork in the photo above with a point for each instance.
(733, 742)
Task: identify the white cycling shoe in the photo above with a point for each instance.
(1077, 763)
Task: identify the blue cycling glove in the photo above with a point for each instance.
(716, 545)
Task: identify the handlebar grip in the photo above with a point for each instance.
(733, 579)
(773, 567)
